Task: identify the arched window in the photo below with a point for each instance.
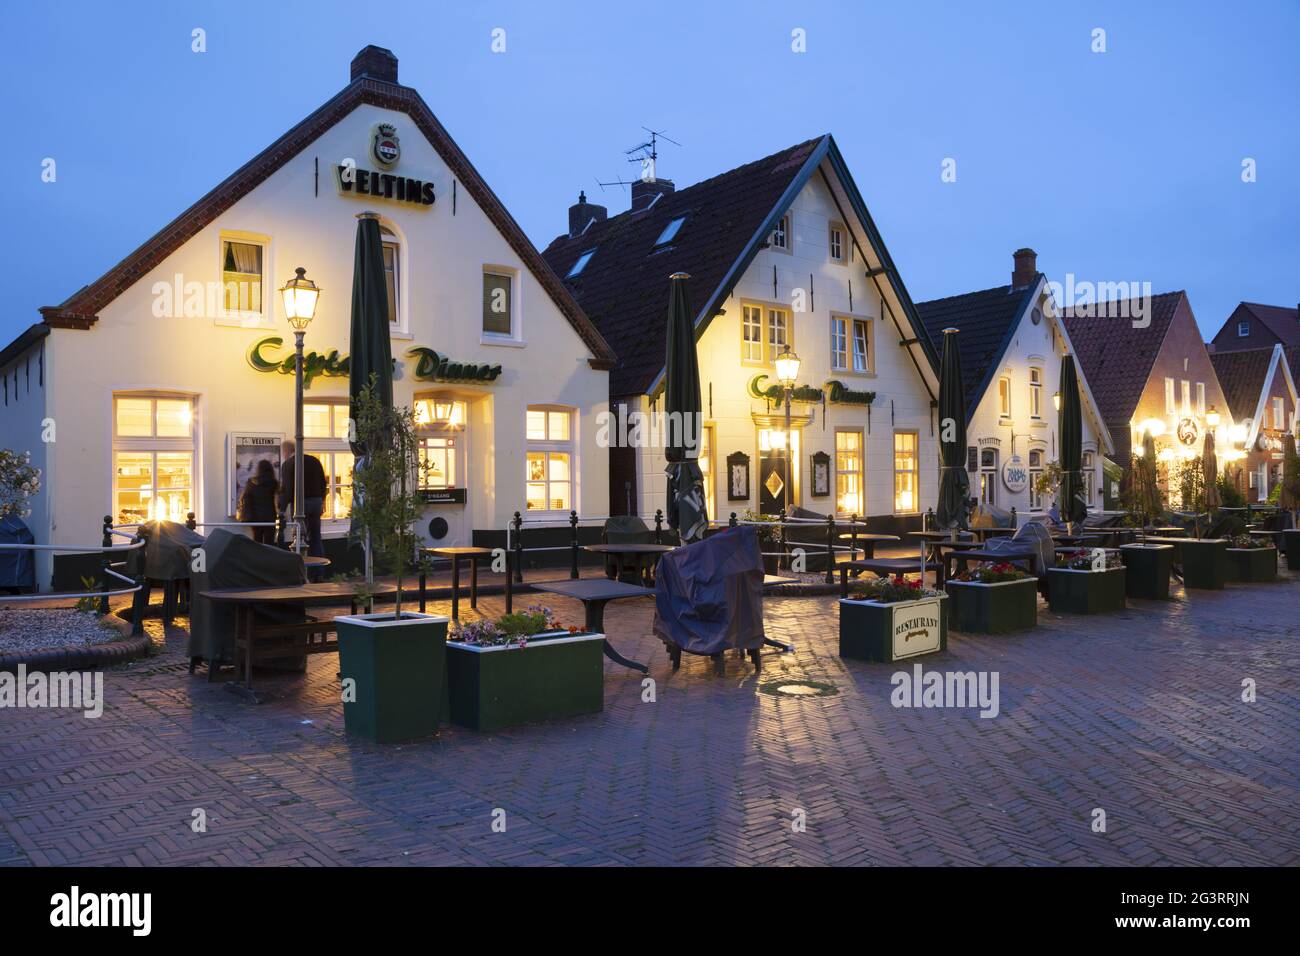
(988, 476)
(392, 274)
(1035, 473)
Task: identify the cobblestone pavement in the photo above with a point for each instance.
(1138, 714)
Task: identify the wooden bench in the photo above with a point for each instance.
(882, 568)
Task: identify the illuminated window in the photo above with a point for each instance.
(1004, 396)
(706, 466)
(325, 438)
(989, 476)
(1171, 402)
(837, 243)
(1089, 467)
(839, 343)
(848, 472)
(751, 349)
(242, 263)
(438, 462)
(1200, 398)
(1036, 393)
(549, 459)
(1187, 396)
(906, 464)
(153, 458)
(1279, 414)
(1035, 472)
(861, 345)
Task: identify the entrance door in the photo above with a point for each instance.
(773, 477)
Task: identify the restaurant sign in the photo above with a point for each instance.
(1014, 475)
(917, 628)
(430, 366)
(834, 392)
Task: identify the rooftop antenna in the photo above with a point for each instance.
(646, 155)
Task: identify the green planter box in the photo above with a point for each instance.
(1085, 592)
(1291, 548)
(1205, 563)
(870, 631)
(1252, 565)
(993, 608)
(555, 675)
(396, 670)
(1147, 568)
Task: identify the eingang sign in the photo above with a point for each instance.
(430, 366)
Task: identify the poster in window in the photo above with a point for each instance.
(738, 476)
(821, 475)
(244, 451)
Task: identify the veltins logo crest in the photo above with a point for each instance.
(385, 146)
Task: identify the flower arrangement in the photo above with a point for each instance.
(892, 590)
(1081, 560)
(768, 526)
(1246, 541)
(509, 629)
(19, 481)
(992, 574)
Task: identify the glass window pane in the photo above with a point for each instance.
(536, 425)
(560, 496)
(535, 494)
(316, 421)
(559, 469)
(173, 418)
(134, 480)
(340, 413)
(175, 479)
(536, 466)
(135, 417)
(559, 426)
(241, 276)
(390, 278)
(496, 304)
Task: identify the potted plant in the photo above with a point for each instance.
(391, 662)
(769, 539)
(1086, 581)
(1147, 566)
(522, 668)
(890, 619)
(993, 599)
(1251, 560)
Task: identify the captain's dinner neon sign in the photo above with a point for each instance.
(430, 366)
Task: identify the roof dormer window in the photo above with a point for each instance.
(670, 232)
(580, 264)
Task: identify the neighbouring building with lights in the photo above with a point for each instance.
(1261, 394)
(1011, 340)
(1154, 375)
(781, 253)
(159, 385)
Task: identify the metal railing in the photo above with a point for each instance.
(107, 549)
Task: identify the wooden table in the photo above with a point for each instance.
(248, 633)
(595, 593)
(643, 553)
(965, 557)
(473, 555)
(868, 540)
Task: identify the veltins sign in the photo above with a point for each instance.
(1015, 475)
(386, 150)
(916, 628)
(430, 366)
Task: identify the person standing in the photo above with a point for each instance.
(313, 495)
(257, 502)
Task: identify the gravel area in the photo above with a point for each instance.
(33, 629)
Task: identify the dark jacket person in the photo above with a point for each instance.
(313, 496)
(258, 501)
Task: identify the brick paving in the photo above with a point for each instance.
(1139, 714)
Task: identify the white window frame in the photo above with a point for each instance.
(516, 335)
(989, 476)
(154, 444)
(330, 446)
(392, 239)
(831, 229)
(244, 318)
(551, 446)
(1200, 398)
(1088, 465)
(915, 470)
(860, 508)
(1035, 392)
(1243, 330)
(782, 229)
(839, 343)
(1036, 472)
(1279, 413)
(1186, 390)
(1171, 398)
(1004, 397)
(766, 328)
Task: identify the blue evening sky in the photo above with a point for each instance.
(1123, 165)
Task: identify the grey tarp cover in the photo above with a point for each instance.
(167, 553)
(709, 595)
(237, 561)
(1032, 535)
(17, 570)
(990, 516)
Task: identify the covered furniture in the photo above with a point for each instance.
(709, 597)
(1033, 536)
(168, 553)
(236, 561)
(631, 529)
(17, 569)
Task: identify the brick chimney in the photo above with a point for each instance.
(376, 63)
(644, 193)
(582, 213)
(1026, 268)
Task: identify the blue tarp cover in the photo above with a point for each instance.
(17, 569)
(709, 595)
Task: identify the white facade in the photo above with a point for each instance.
(812, 290)
(1015, 420)
(203, 358)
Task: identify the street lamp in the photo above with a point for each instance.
(1056, 400)
(300, 295)
(1212, 417)
(787, 373)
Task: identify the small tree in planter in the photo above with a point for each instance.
(890, 619)
(993, 598)
(523, 668)
(1086, 581)
(392, 663)
(1251, 560)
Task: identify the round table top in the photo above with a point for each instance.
(314, 561)
(462, 550)
(630, 548)
(868, 536)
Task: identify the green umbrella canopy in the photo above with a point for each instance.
(683, 408)
(371, 353)
(1070, 425)
(954, 483)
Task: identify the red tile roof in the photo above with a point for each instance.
(1242, 377)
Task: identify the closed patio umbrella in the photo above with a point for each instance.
(954, 483)
(1210, 472)
(1146, 486)
(1070, 424)
(683, 409)
(371, 353)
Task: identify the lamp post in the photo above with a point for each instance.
(300, 295)
(787, 373)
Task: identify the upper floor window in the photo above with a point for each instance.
(765, 331)
(1036, 393)
(1187, 395)
(837, 243)
(498, 303)
(850, 344)
(243, 274)
(781, 234)
(1171, 402)
(581, 263)
(1004, 396)
(1200, 398)
(1243, 330)
(392, 263)
(1279, 414)
(670, 231)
